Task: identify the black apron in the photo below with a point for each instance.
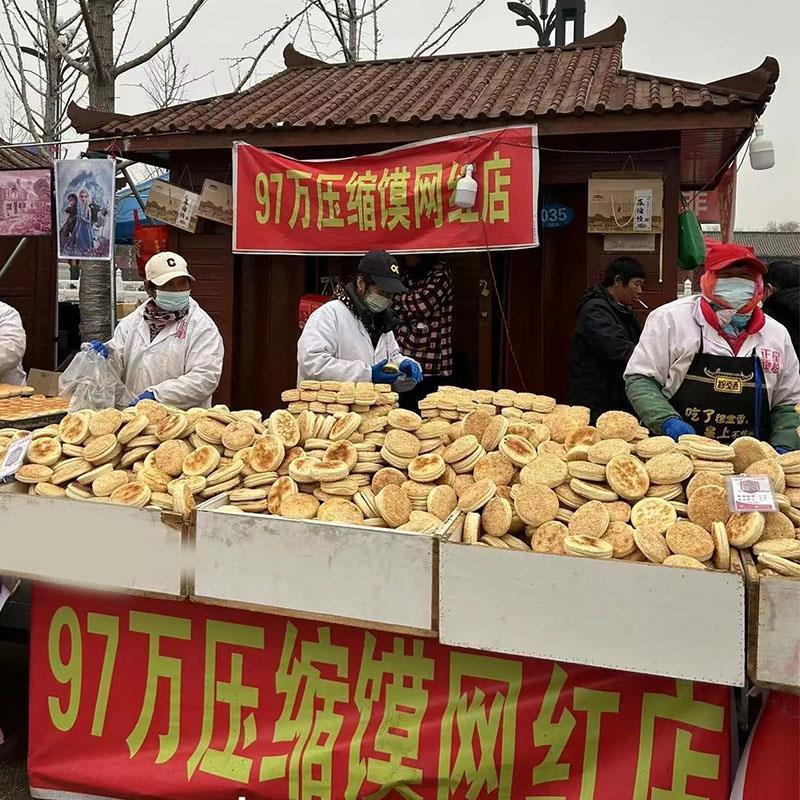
(725, 397)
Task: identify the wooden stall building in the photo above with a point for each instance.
(514, 311)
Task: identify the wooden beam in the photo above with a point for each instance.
(284, 138)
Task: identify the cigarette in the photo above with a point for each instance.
(643, 304)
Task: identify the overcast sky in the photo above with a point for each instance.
(699, 40)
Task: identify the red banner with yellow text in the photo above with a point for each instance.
(400, 200)
(138, 698)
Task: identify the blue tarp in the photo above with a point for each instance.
(125, 204)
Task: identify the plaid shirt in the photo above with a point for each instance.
(424, 328)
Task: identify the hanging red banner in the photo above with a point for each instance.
(401, 200)
(138, 698)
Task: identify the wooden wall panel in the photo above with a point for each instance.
(267, 332)
(30, 287)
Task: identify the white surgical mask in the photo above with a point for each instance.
(172, 301)
(736, 292)
(376, 302)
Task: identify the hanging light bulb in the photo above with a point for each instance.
(762, 151)
(466, 189)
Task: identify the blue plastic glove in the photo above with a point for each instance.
(148, 395)
(379, 376)
(412, 369)
(675, 427)
(781, 450)
(99, 347)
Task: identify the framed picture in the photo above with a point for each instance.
(85, 208)
(216, 202)
(626, 205)
(173, 205)
(25, 202)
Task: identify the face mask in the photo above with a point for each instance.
(376, 302)
(736, 292)
(172, 301)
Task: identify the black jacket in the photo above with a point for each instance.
(605, 336)
(784, 306)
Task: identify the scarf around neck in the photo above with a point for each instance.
(157, 318)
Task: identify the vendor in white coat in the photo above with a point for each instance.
(350, 337)
(715, 364)
(12, 346)
(169, 349)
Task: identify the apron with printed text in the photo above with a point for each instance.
(725, 397)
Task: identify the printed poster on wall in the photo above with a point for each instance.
(400, 200)
(85, 208)
(137, 698)
(25, 202)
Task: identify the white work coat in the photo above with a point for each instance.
(181, 366)
(12, 346)
(671, 339)
(335, 346)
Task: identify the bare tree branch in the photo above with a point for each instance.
(126, 34)
(97, 56)
(433, 44)
(160, 45)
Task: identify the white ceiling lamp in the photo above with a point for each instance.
(466, 189)
(762, 151)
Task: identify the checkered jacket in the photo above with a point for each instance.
(424, 314)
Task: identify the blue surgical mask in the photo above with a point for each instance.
(172, 301)
(736, 292)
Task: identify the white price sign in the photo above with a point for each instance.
(643, 210)
(14, 458)
(750, 493)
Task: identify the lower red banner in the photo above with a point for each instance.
(138, 698)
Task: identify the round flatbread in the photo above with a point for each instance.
(133, 493)
(427, 468)
(442, 501)
(34, 473)
(238, 435)
(405, 420)
(683, 561)
(104, 422)
(202, 461)
(620, 537)
(618, 425)
(517, 449)
(587, 547)
(385, 477)
(544, 470)
(45, 451)
(279, 491)
(654, 446)
(708, 504)
(283, 425)
(687, 539)
(704, 479)
(628, 477)
(651, 544)
(535, 504)
(496, 517)
(74, 429)
(475, 423)
(744, 530)
(549, 538)
(394, 505)
(672, 467)
(477, 495)
(495, 430)
(653, 514)
(603, 451)
(267, 453)
(495, 467)
(299, 506)
(591, 519)
(107, 484)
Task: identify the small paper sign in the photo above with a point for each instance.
(643, 210)
(750, 493)
(14, 458)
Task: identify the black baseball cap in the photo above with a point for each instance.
(384, 271)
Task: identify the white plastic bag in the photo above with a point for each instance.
(92, 381)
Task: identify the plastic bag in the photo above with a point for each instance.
(691, 245)
(92, 381)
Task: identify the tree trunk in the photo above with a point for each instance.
(352, 29)
(95, 285)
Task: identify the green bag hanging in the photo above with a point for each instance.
(691, 244)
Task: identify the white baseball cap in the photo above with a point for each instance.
(163, 267)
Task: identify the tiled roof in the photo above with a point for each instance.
(767, 244)
(583, 78)
(20, 158)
